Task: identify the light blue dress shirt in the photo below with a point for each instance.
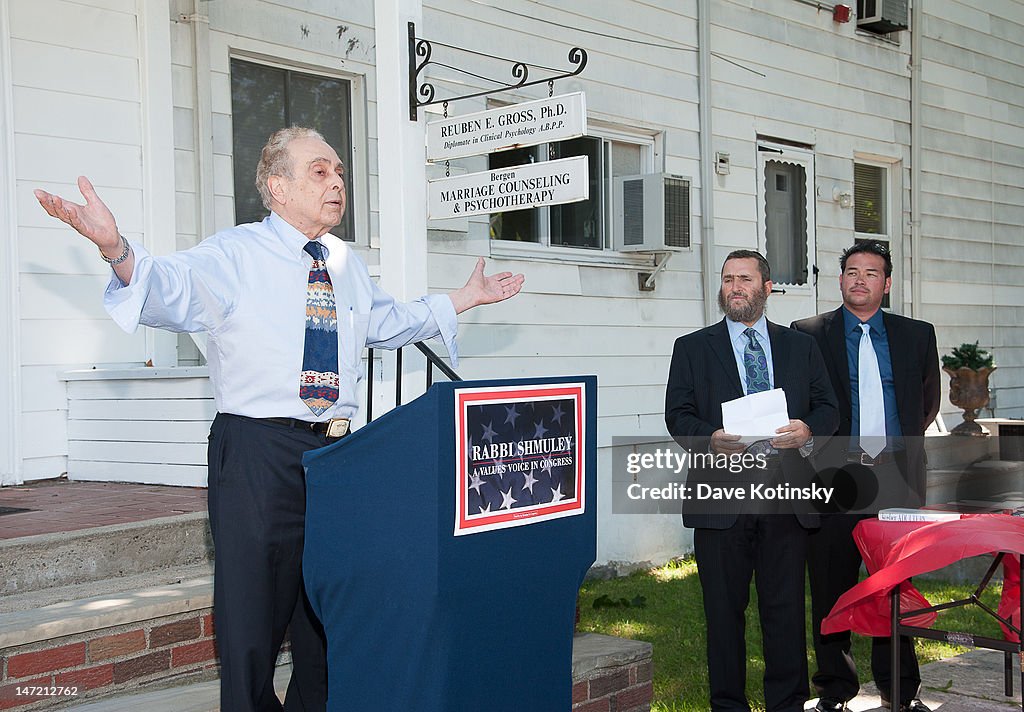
(246, 287)
(739, 343)
(880, 342)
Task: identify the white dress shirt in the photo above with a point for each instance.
(246, 287)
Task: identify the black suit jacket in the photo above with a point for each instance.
(703, 374)
(915, 371)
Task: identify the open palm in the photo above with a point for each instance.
(92, 220)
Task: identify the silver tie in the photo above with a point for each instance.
(869, 393)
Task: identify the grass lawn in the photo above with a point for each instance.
(672, 619)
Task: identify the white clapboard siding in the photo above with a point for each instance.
(139, 431)
(44, 434)
(83, 71)
(96, 119)
(973, 183)
(153, 409)
(142, 473)
(63, 341)
(139, 425)
(76, 71)
(610, 370)
(133, 452)
(164, 388)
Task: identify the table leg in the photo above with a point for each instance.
(1008, 674)
(894, 637)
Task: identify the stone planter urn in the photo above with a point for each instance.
(968, 389)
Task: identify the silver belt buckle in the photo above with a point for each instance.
(867, 460)
(337, 427)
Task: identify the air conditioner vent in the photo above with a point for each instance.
(652, 213)
(882, 15)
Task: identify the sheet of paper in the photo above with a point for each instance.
(757, 416)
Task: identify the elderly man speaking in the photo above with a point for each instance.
(288, 308)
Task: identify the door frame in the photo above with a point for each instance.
(10, 365)
(802, 298)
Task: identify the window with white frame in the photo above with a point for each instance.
(584, 224)
(870, 212)
(266, 98)
(870, 206)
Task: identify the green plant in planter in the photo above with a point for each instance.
(968, 356)
(969, 367)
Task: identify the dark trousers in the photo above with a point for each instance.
(770, 548)
(833, 564)
(257, 504)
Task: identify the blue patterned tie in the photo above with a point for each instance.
(318, 384)
(755, 364)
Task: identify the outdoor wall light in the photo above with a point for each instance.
(843, 197)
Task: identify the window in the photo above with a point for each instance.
(870, 210)
(264, 99)
(584, 224)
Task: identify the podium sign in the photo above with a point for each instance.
(526, 124)
(413, 612)
(520, 455)
(514, 188)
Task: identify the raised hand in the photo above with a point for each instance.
(92, 220)
(482, 289)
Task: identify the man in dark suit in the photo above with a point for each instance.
(895, 395)
(744, 354)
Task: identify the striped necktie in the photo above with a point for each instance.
(318, 384)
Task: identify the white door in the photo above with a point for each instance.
(785, 223)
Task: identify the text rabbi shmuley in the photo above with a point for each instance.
(522, 448)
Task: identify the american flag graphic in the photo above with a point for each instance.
(520, 457)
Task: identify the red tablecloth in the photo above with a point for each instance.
(895, 551)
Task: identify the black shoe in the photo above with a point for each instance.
(826, 705)
(915, 705)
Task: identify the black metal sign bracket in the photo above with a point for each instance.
(421, 93)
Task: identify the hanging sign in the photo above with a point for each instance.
(513, 188)
(527, 124)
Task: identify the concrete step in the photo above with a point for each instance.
(37, 563)
(954, 451)
(978, 484)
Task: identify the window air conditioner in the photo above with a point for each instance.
(651, 213)
(882, 15)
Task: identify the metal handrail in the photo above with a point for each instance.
(432, 360)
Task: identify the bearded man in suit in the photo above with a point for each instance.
(744, 354)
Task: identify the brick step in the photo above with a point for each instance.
(111, 642)
(193, 697)
(608, 674)
(45, 561)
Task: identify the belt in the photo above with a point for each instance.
(862, 458)
(333, 428)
